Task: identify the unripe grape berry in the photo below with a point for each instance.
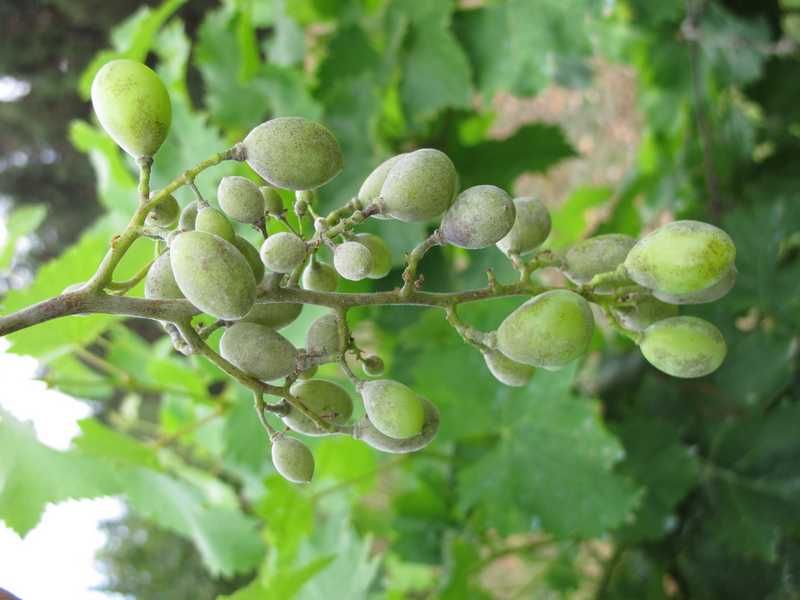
(480, 217)
(188, 217)
(365, 431)
(683, 347)
(549, 331)
(682, 257)
(353, 260)
(293, 153)
(507, 371)
(319, 277)
(322, 337)
(381, 255)
(595, 255)
(132, 105)
(327, 399)
(393, 408)
(212, 220)
(259, 351)
(163, 214)
(308, 373)
(273, 203)
(240, 199)
(212, 274)
(274, 315)
(710, 294)
(371, 188)
(647, 311)
(530, 229)
(373, 366)
(160, 282)
(419, 186)
(292, 459)
(283, 252)
(251, 255)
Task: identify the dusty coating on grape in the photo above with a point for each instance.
(283, 252)
(293, 153)
(160, 284)
(507, 371)
(599, 254)
(188, 216)
(393, 408)
(322, 337)
(480, 217)
(292, 459)
(251, 255)
(710, 294)
(327, 399)
(419, 186)
(684, 347)
(240, 199)
(211, 220)
(381, 256)
(550, 330)
(365, 431)
(530, 229)
(371, 188)
(163, 214)
(647, 311)
(353, 260)
(212, 274)
(682, 257)
(259, 351)
(319, 277)
(274, 315)
(132, 105)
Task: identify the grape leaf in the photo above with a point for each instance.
(283, 584)
(245, 441)
(462, 561)
(22, 221)
(98, 440)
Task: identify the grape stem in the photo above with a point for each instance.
(413, 260)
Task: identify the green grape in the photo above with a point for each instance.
(322, 337)
(293, 153)
(550, 330)
(599, 254)
(274, 315)
(710, 294)
(188, 217)
(530, 229)
(212, 220)
(365, 431)
(160, 282)
(419, 186)
(480, 217)
(684, 347)
(683, 257)
(647, 311)
(164, 214)
(272, 200)
(283, 252)
(319, 277)
(240, 199)
(381, 256)
(507, 371)
(393, 408)
(259, 351)
(353, 260)
(305, 197)
(371, 188)
(373, 366)
(132, 105)
(292, 459)
(327, 399)
(251, 255)
(212, 274)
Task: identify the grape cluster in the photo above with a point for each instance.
(637, 285)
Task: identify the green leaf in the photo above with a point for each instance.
(553, 464)
(98, 440)
(570, 220)
(289, 518)
(245, 441)
(33, 475)
(281, 585)
(462, 561)
(21, 222)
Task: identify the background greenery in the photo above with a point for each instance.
(609, 480)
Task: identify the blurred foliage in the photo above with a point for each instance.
(609, 481)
